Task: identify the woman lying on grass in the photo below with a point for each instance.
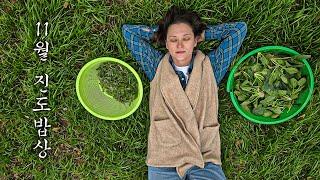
(184, 140)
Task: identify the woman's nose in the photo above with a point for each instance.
(180, 43)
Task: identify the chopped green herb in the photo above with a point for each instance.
(118, 82)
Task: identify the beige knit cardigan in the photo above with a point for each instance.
(184, 127)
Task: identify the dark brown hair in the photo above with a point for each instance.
(177, 15)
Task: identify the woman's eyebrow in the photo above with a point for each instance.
(183, 35)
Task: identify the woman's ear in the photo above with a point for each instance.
(199, 38)
(196, 41)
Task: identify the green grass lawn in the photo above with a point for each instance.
(85, 147)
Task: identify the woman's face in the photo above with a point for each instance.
(180, 43)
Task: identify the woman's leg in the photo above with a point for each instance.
(162, 173)
(211, 171)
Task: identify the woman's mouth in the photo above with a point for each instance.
(180, 52)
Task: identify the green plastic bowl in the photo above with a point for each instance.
(99, 103)
(299, 105)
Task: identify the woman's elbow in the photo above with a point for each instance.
(124, 28)
(242, 26)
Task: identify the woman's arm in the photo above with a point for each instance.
(232, 36)
(138, 38)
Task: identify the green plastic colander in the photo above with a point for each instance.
(95, 100)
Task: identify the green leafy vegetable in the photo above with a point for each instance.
(269, 84)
